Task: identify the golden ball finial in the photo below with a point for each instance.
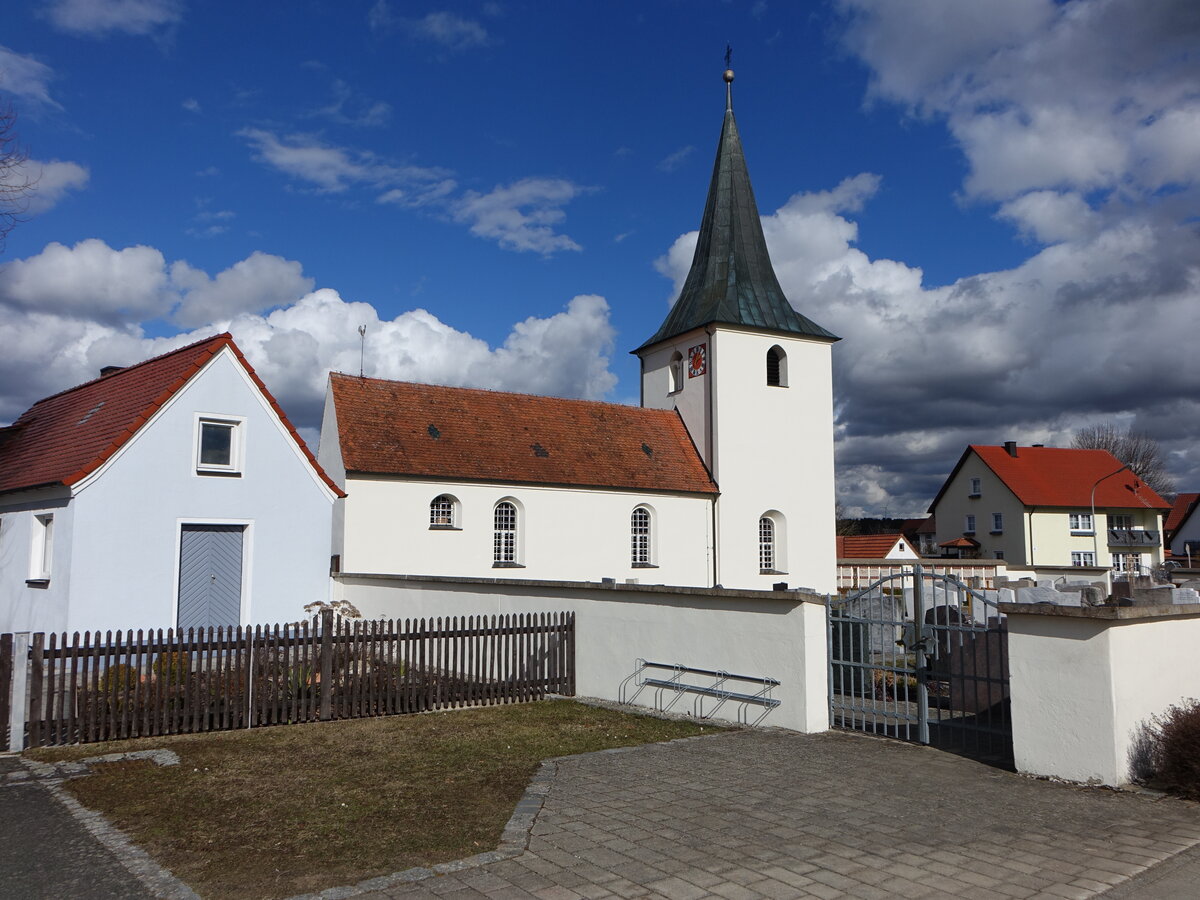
(728, 76)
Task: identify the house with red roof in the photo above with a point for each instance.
(875, 546)
(1182, 529)
(1051, 510)
(722, 477)
(169, 493)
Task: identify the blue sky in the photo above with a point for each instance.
(996, 206)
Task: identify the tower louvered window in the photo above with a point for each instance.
(774, 359)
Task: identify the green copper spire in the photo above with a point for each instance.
(731, 280)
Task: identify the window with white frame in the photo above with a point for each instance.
(968, 524)
(42, 552)
(1081, 523)
(443, 512)
(1083, 558)
(997, 523)
(218, 445)
(976, 487)
(766, 545)
(504, 546)
(640, 537)
(1123, 522)
(1127, 562)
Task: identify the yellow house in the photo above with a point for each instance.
(1050, 510)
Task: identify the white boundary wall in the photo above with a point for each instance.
(1085, 680)
(774, 634)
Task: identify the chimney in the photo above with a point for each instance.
(108, 370)
(1010, 447)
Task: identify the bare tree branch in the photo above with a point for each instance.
(15, 183)
(1140, 451)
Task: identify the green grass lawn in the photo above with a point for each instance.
(271, 812)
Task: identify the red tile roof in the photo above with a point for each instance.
(64, 438)
(866, 546)
(1058, 476)
(961, 542)
(421, 430)
(1180, 511)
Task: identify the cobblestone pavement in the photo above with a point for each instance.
(772, 814)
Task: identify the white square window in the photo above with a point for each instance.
(1081, 523)
(42, 554)
(218, 445)
(1083, 558)
(997, 523)
(976, 487)
(969, 525)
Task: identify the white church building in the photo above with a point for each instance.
(723, 477)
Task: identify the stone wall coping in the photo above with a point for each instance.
(791, 596)
(1110, 613)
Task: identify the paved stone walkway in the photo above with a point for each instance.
(771, 814)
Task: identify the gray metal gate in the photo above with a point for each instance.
(922, 657)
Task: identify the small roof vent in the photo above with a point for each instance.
(433, 432)
(539, 450)
(647, 449)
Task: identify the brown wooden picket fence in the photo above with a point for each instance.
(104, 687)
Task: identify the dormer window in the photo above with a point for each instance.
(777, 367)
(218, 445)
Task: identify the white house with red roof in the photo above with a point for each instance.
(1050, 510)
(875, 546)
(170, 493)
(723, 477)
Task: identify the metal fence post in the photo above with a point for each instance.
(919, 661)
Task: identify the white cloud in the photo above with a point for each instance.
(674, 160)
(98, 18)
(60, 322)
(446, 29)
(347, 108)
(191, 104)
(521, 215)
(332, 169)
(259, 282)
(52, 181)
(23, 76)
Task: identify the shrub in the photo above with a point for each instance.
(119, 677)
(1178, 756)
(171, 667)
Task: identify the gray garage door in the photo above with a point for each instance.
(210, 575)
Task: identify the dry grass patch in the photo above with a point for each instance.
(273, 812)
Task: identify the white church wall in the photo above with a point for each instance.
(564, 533)
(774, 452)
(777, 635)
(128, 514)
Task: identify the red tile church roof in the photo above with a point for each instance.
(462, 434)
(64, 438)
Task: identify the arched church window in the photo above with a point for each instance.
(640, 537)
(777, 367)
(771, 543)
(675, 373)
(505, 545)
(443, 512)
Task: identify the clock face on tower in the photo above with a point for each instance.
(697, 360)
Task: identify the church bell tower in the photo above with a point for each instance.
(752, 379)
